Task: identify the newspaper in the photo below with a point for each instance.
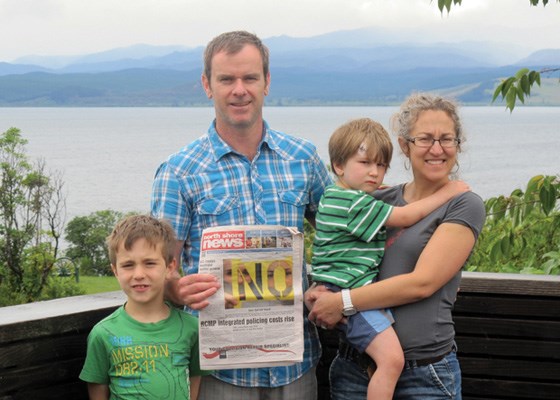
(261, 267)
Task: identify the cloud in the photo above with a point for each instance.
(66, 27)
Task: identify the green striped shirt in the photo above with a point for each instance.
(349, 238)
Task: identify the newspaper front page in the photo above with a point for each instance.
(261, 267)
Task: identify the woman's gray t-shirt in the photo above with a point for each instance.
(425, 328)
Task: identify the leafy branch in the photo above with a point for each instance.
(446, 4)
(517, 87)
(521, 231)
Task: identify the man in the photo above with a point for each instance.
(241, 172)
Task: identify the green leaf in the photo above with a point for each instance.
(547, 196)
(505, 246)
(533, 185)
(515, 210)
(510, 98)
(521, 72)
(497, 91)
(496, 252)
(520, 95)
(506, 85)
(524, 84)
(444, 4)
(500, 207)
(532, 77)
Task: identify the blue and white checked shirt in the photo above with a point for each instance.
(208, 184)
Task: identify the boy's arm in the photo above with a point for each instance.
(414, 212)
(195, 386)
(98, 391)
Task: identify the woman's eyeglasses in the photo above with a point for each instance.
(426, 141)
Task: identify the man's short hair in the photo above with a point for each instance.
(233, 43)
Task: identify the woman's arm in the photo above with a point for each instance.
(443, 256)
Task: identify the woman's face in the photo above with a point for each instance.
(434, 163)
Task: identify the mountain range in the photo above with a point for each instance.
(355, 67)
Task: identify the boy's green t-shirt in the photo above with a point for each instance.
(143, 360)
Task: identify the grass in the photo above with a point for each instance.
(99, 284)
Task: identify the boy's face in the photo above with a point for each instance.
(360, 172)
(141, 272)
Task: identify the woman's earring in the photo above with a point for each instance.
(455, 174)
(456, 167)
(407, 164)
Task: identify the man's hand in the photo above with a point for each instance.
(312, 294)
(192, 290)
(326, 309)
(315, 298)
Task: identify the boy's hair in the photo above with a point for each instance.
(363, 132)
(233, 43)
(155, 231)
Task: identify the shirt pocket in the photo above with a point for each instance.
(215, 211)
(293, 204)
(296, 198)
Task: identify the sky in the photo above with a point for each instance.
(76, 27)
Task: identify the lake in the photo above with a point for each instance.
(108, 156)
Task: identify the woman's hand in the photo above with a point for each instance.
(326, 306)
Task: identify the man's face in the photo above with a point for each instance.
(238, 87)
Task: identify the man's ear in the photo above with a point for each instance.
(267, 84)
(114, 269)
(206, 86)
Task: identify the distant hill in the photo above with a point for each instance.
(348, 67)
(138, 51)
(11, 69)
(548, 57)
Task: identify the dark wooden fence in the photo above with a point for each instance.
(43, 345)
(508, 333)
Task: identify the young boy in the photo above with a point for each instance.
(147, 348)
(350, 239)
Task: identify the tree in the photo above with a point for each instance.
(86, 236)
(32, 212)
(522, 231)
(516, 87)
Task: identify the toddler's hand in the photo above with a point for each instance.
(454, 188)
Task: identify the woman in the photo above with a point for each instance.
(421, 269)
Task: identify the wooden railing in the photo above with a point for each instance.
(43, 345)
(508, 334)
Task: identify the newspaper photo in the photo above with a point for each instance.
(256, 317)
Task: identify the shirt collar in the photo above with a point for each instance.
(221, 148)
